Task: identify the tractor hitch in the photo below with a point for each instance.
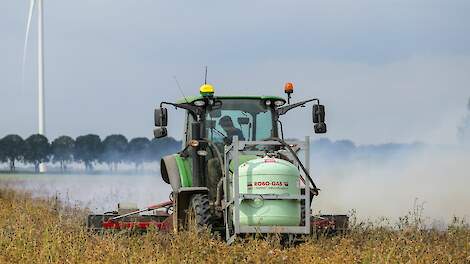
(160, 219)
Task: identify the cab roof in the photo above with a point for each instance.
(190, 99)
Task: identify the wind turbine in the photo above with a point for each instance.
(41, 93)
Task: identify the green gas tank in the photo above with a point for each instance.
(269, 176)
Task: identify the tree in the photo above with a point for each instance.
(37, 150)
(137, 151)
(160, 147)
(12, 148)
(88, 149)
(3, 157)
(62, 151)
(115, 147)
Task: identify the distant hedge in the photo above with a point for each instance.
(87, 149)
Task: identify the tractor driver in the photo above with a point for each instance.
(227, 125)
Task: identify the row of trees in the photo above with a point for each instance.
(88, 149)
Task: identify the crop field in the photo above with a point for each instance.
(40, 230)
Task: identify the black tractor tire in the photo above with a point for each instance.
(199, 213)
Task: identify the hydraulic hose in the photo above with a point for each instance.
(315, 189)
(219, 194)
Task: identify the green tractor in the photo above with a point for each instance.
(235, 174)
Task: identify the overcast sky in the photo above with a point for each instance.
(388, 71)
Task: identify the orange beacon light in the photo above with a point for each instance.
(288, 89)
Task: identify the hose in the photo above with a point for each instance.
(218, 199)
(315, 189)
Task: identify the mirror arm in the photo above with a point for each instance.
(283, 110)
(282, 129)
(194, 110)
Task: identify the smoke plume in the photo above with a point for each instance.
(434, 178)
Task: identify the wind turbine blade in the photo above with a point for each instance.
(28, 29)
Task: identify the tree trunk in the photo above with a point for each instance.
(36, 167)
(89, 165)
(12, 165)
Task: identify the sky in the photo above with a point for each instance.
(387, 71)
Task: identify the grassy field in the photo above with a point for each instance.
(36, 230)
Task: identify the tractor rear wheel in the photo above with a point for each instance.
(199, 212)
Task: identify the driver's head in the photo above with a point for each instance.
(226, 122)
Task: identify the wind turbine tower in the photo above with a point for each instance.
(41, 81)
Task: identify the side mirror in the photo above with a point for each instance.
(320, 128)
(161, 117)
(318, 114)
(160, 132)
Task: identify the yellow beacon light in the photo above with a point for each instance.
(206, 90)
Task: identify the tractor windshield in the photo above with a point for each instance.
(249, 119)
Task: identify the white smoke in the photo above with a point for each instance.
(97, 192)
(435, 179)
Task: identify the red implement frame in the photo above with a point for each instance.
(119, 222)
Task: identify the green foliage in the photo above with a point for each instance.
(37, 150)
(113, 150)
(88, 149)
(115, 147)
(138, 151)
(12, 148)
(160, 147)
(62, 150)
(3, 157)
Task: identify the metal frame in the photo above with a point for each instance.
(233, 197)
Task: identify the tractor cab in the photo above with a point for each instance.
(249, 118)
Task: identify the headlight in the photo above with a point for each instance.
(202, 153)
(267, 102)
(199, 103)
(193, 143)
(279, 103)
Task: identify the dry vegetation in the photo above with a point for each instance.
(43, 231)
